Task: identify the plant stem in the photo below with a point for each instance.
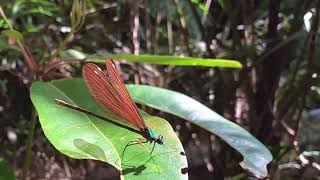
(182, 26)
(61, 46)
(5, 18)
(27, 56)
(28, 154)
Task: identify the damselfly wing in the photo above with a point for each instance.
(110, 93)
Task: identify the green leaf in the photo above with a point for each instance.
(39, 10)
(80, 136)
(201, 5)
(256, 156)
(180, 61)
(6, 171)
(74, 54)
(4, 44)
(12, 33)
(156, 59)
(313, 154)
(77, 14)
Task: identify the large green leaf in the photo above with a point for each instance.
(256, 156)
(6, 171)
(80, 136)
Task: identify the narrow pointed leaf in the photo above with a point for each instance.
(255, 155)
(156, 59)
(179, 61)
(80, 136)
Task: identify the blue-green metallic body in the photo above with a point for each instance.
(150, 133)
(150, 136)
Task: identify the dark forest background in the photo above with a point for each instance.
(275, 96)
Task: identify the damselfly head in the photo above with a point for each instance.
(159, 140)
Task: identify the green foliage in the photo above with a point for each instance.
(6, 172)
(80, 136)
(77, 15)
(256, 155)
(179, 61)
(157, 59)
(272, 39)
(4, 44)
(12, 33)
(201, 5)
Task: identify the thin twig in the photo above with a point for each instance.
(183, 26)
(296, 126)
(170, 36)
(134, 14)
(303, 85)
(205, 12)
(61, 46)
(156, 32)
(28, 155)
(148, 26)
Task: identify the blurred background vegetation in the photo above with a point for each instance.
(275, 96)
